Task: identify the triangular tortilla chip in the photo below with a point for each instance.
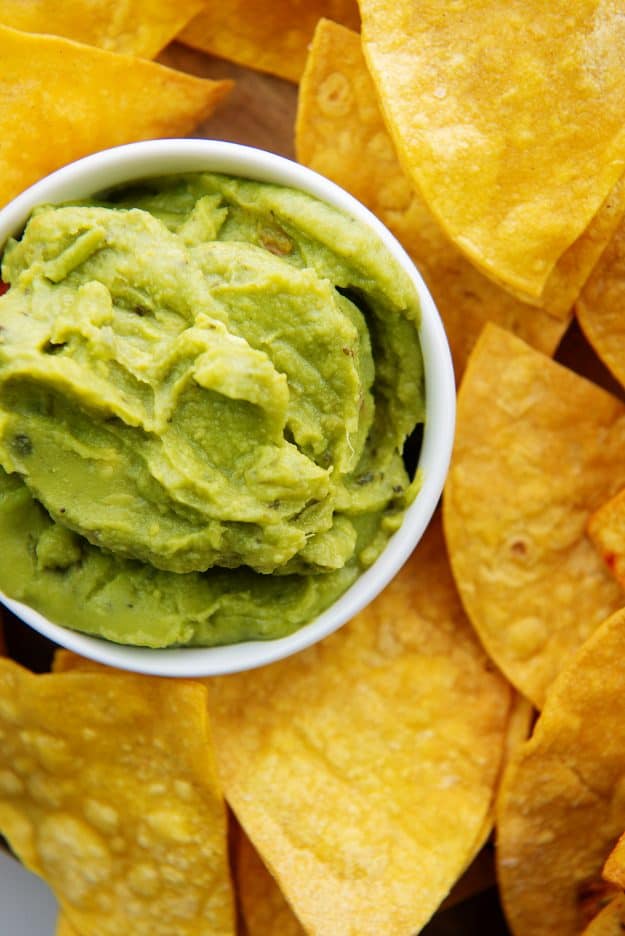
(537, 450)
(509, 118)
(60, 100)
(135, 27)
(561, 806)
(108, 791)
(340, 133)
(269, 35)
(363, 769)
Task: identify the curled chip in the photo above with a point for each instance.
(108, 791)
(135, 27)
(81, 99)
(610, 921)
(469, 91)
(562, 803)
(341, 134)
(363, 769)
(537, 450)
(600, 306)
(270, 35)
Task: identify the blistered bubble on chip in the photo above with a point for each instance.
(341, 134)
(363, 769)
(135, 27)
(468, 92)
(82, 99)
(537, 450)
(108, 791)
(562, 803)
(270, 35)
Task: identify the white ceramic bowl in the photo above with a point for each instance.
(162, 157)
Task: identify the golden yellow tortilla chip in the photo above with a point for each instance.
(60, 100)
(610, 921)
(508, 116)
(600, 306)
(341, 134)
(134, 27)
(363, 769)
(537, 449)
(270, 35)
(606, 529)
(264, 909)
(108, 791)
(562, 803)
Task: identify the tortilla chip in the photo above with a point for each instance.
(562, 803)
(610, 921)
(61, 100)
(537, 450)
(483, 102)
(341, 134)
(135, 27)
(108, 791)
(363, 769)
(264, 909)
(269, 35)
(600, 306)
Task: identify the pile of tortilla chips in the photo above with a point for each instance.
(366, 773)
(489, 138)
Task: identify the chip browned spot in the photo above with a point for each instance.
(537, 450)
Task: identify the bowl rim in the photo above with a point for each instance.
(135, 161)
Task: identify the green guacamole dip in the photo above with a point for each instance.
(206, 385)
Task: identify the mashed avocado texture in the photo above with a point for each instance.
(206, 385)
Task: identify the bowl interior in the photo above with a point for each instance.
(163, 157)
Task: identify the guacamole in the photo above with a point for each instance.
(206, 385)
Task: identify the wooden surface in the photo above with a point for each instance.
(260, 111)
